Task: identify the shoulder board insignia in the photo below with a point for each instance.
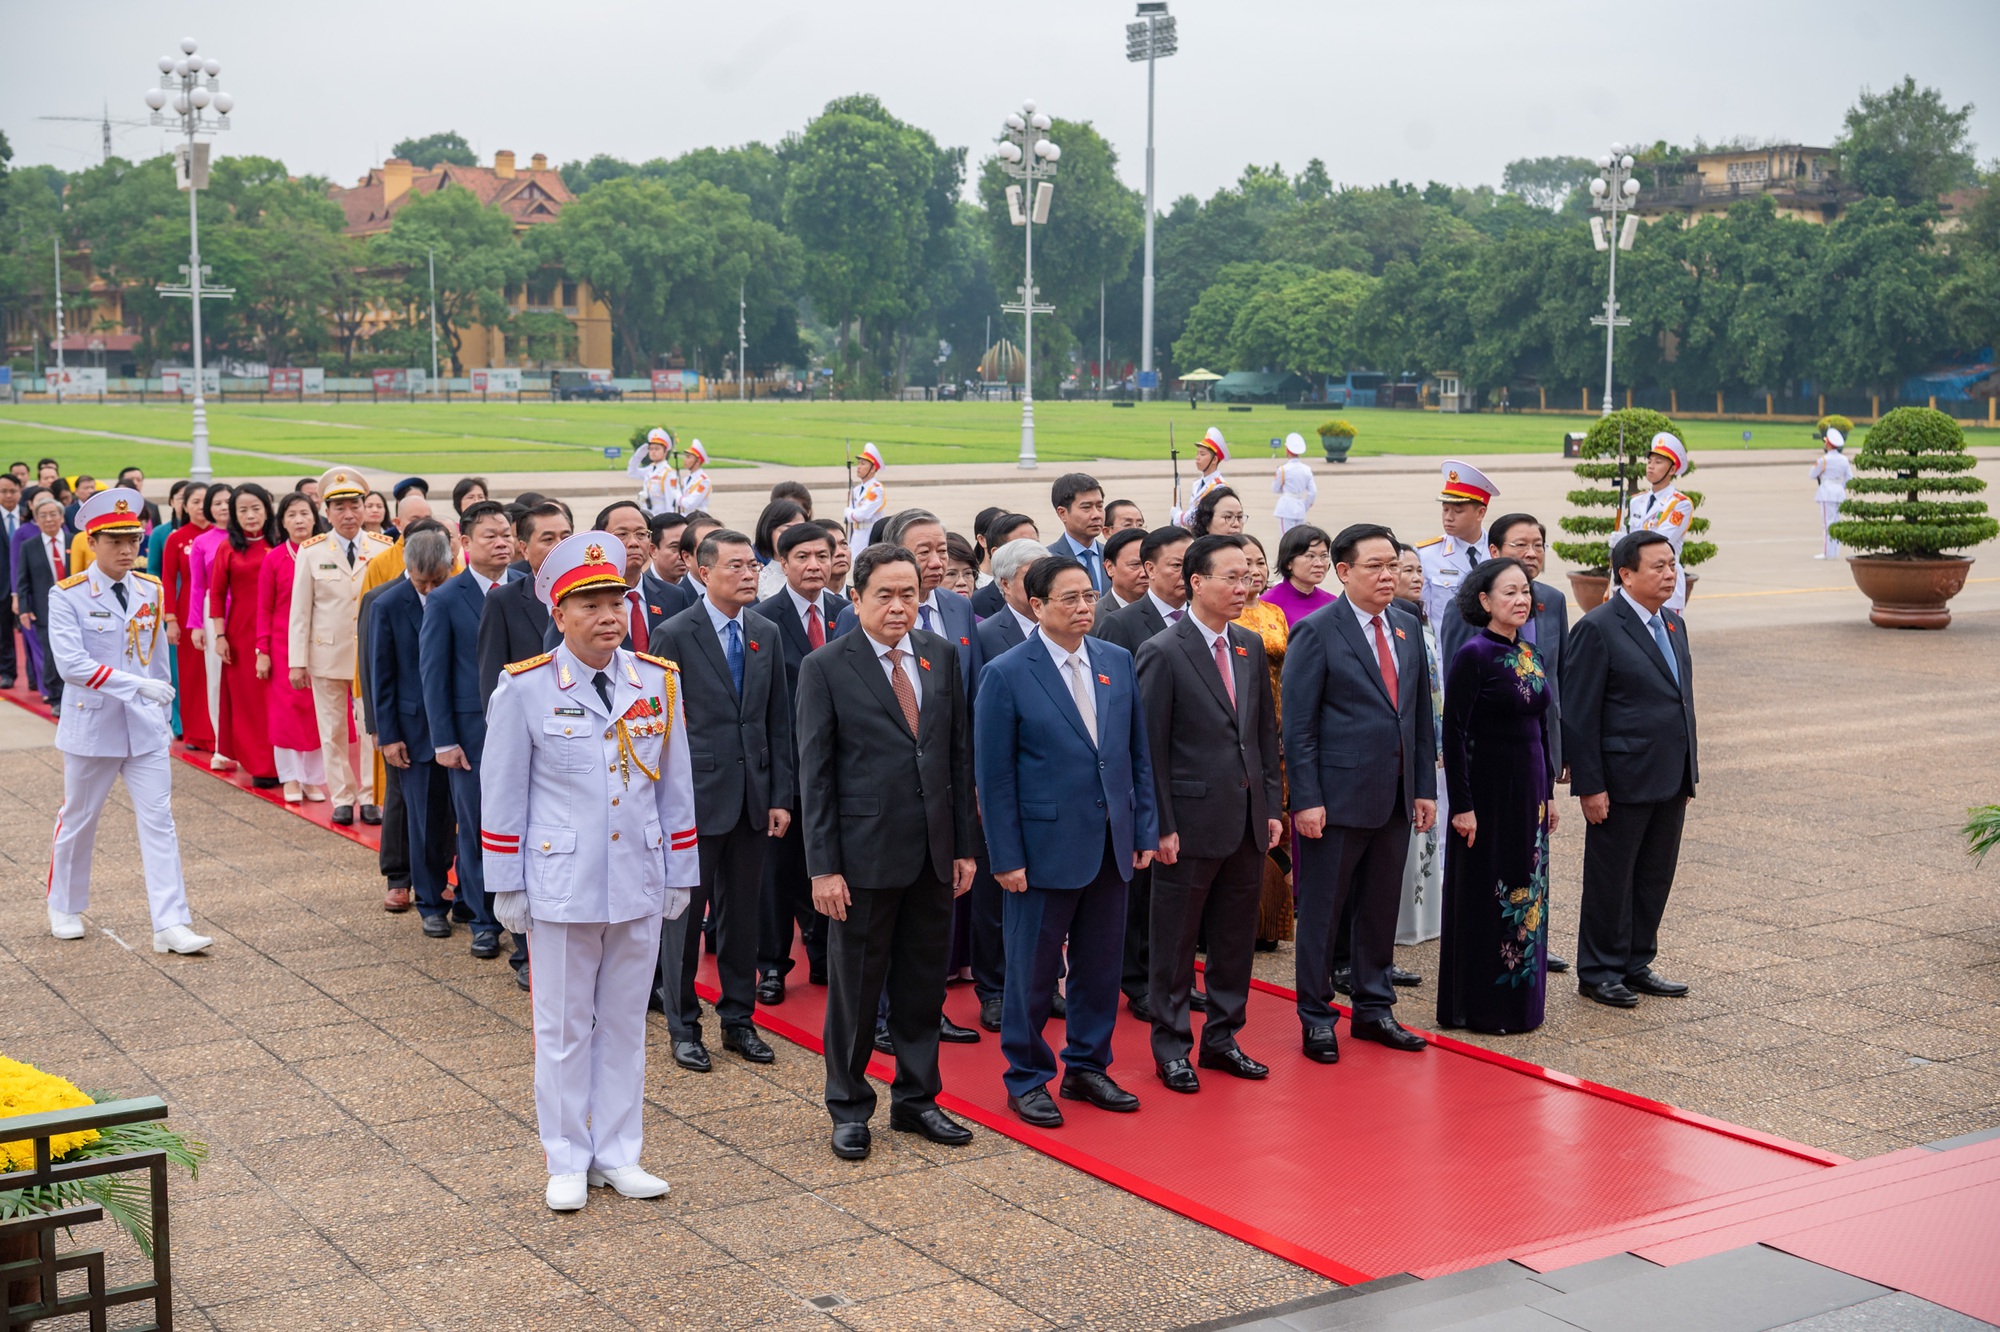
(147, 577)
(312, 541)
(673, 666)
(517, 667)
(1425, 545)
(74, 579)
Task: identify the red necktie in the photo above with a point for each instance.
(640, 643)
(56, 555)
(1387, 660)
(815, 631)
(1222, 664)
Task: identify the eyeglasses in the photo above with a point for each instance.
(1374, 568)
(1073, 600)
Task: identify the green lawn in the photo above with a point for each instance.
(542, 436)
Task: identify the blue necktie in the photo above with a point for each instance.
(927, 619)
(1666, 648)
(1093, 564)
(732, 648)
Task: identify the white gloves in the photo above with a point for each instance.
(156, 691)
(511, 910)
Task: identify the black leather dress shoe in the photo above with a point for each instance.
(1386, 1031)
(371, 814)
(989, 1014)
(933, 1124)
(1235, 1063)
(521, 978)
(437, 927)
(1198, 1001)
(746, 1042)
(1343, 979)
(952, 1034)
(692, 1056)
(1058, 1006)
(1652, 982)
(1321, 1046)
(1398, 976)
(883, 1045)
(343, 815)
(1557, 964)
(486, 943)
(852, 1141)
(1037, 1107)
(1087, 1084)
(1610, 993)
(771, 990)
(1140, 1008)
(1179, 1075)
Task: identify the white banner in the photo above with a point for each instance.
(312, 380)
(77, 379)
(182, 382)
(496, 381)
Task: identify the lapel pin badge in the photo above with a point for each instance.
(753, 645)
(1104, 679)
(1242, 652)
(1401, 634)
(924, 662)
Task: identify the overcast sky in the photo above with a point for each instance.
(1450, 90)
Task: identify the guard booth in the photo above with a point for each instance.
(1451, 396)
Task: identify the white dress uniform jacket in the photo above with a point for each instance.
(659, 485)
(695, 490)
(1296, 488)
(1446, 561)
(1203, 483)
(864, 506)
(1668, 512)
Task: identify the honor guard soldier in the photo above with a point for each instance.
(1831, 472)
(1209, 455)
(1448, 558)
(653, 466)
(695, 487)
(1663, 507)
(866, 502)
(326, 594)
(104, 632)
(588, 840)
(1294, 485)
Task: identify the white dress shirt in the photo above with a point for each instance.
(801, 605)
(1029, 628)
(1171, 614)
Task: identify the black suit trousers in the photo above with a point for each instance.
(9, 663)
(1217, 898)
(1137, 969)
(901, 936)
(732, 891)
(1628, 870)
(52, 681)
(1366, 864)
(787, 901)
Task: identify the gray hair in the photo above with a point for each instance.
(902, 522)
(427, 553)
(1015, 556)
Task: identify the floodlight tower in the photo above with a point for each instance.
(1151, 39)
(1609, 192)
(1027, 155)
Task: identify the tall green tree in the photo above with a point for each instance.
(1907, 144)
(476, 254)
(1546, 182)
(431, 150)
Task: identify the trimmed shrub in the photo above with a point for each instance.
(1913, 456)
(1630, 429)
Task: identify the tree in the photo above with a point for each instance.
(433, 149)
(1876, 315)
(1906, 144)
(1208, 335)
(476, 256)
(1307, 326)
(620, 238)
(1546, 182)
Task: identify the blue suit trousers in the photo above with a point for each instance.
(1034, 925)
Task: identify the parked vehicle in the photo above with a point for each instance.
(582, 386)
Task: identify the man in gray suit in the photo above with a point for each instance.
(1011, 626)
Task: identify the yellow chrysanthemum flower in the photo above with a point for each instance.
(1534, 920)
(26, 1090)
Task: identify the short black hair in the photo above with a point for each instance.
(1071, 484)
(875, 557)
(1041, 575)
(1625, 555)
(705, 553)
(525, 520)
(795, 491)
(1001, 530)
(173, 491)
(464, 484)
(1482, 578)
(604, 514)
(834, 526)
(48, 462)
(697, 520)
(1497, 530)
(1354, 534)
(662, 523)
(298, 486)
(1200, 557)
(1115, 544)
(474, 514)
(1160, 538)
(803, 534)
(530, 498)
(777, 513)
(128, 469)
(984, 519)
(1299, 541)
(1111, 509)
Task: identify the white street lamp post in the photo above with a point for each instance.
(1609, 192)
(1031, 159)
(188, 88)
(60, 333)
(1151, 39)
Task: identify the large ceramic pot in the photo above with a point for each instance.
(1909, 594)
(1336, 447)
(1589, 590)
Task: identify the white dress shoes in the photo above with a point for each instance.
(632, 1181)
(65, 924)
(567, 1193)
(179, 939)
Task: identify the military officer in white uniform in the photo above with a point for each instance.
(1448, 558)
(1663, 507)
(695, 486)
(588, 840)
(869, 496)
(1209, 455)
(326, 593)
(653, 467)
(104, 631)
(1294, 485)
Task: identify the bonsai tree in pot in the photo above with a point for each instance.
(1615, 448)
(1336, 437)
(1910, 503)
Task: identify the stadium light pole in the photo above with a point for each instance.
(1610, 191)
(1151, 39)
(188, 89)
(1027, 155)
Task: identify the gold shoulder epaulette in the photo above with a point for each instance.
(312, 541)
(74, 579)
(516, 667)
(148, 578)
(673, 666)
(1421, 545)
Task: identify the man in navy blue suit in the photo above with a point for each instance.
(449, 659)
(402, 726)
(1066, 786)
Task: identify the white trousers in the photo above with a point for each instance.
(214, 690)
(1829, 514)
(1287, 524)
(299, 765)
(333, 704)
(590, 984)
(86, 786)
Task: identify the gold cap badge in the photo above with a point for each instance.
(594, 553)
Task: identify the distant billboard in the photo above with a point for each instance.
(182, 382)
(399, 381)
(287, 380)
(496, 381)
(77, 379)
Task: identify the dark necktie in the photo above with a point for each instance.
(1093, 564)
(603, 683)
(906, 693)
(732, 647)
(1386, 660)
(1174, 616)
(118, 591)
(350, 554)
(1471, 554)
(927, 619)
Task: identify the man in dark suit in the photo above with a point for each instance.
(1125, 566)
(1164, 604)
(1358, 749)
(1079, 505)
(664, 585)
(514, 623)
(740, 743)
(450, 656)
(12, 520)
(987, 601)
(1066, 786)
(1014, 623)
(44, 563)
(395, 690)
(804, 612)
(1628, 719)
(885, 783)
(1207, 691)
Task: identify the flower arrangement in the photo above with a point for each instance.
(26, 1090)
(1833, 421)
(1338, 426)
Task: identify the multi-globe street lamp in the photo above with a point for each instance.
(1609, 192)
(1027, 155)
(189, 89)
(1151, 39)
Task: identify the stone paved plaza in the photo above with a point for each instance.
(367, 1092)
